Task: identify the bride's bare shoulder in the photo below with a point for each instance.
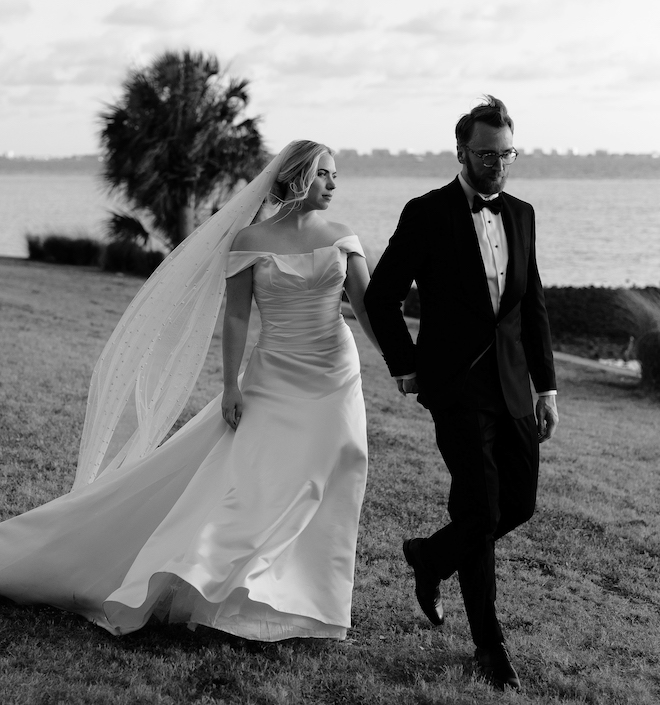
(250, 239)
(337, 231)
(329, 233)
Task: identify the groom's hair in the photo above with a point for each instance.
(493, 112)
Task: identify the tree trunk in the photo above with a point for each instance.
(186, 219)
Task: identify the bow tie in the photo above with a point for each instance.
(494, 205)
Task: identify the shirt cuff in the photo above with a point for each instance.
(412, 375)
(549, 393)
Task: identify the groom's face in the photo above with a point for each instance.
(485, 138)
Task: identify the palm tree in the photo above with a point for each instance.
(176, 136)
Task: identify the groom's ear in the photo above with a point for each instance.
(460, 155)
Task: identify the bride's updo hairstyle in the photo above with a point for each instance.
(297, 173)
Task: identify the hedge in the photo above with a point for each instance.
(130, 258)
(126, 257)
(62, 249)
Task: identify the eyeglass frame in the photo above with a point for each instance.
(498, 155)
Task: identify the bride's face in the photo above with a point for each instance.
(320, 192)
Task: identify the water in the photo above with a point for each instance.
(589, 232)
(68, 204)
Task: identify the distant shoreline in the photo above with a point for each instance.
(384, 164)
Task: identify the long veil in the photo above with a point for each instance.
(159, 346)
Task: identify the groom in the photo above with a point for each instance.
(483, 332)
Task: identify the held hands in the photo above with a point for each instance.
(407, 386)
(232, 407)
(547, 417)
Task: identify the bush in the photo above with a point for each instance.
(61, 249)
(643, 306)
(648, 354)
(128, 257)
(588, 312)
(119, 256)
(35, 248)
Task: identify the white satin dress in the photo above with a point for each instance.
(251, 532)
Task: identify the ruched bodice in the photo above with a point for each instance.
(299, 295)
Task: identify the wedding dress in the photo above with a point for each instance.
(251, 532)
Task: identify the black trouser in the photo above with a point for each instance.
(493, 460)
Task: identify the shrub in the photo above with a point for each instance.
(587, 312)
(648, 354)
(643, 306)
(35, 247)
(119, 256)
(128, 257)
(62, 249)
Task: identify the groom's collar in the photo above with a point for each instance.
(470, 193)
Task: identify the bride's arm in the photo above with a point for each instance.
(357, 279)
(234, 336)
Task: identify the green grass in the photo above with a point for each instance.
(579, 585)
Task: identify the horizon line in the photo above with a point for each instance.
(348, 152)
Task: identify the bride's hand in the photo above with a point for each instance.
(232, 407)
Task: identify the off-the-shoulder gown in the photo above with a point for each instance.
(251, 532)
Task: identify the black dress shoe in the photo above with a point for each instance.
(496, 667)
(427, 587)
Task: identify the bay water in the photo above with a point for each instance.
(602, 232)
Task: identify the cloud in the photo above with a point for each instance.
(585, 65)
(511, 13)
(326, 23)
(12, 10)
(66, 63)
(464, 21)
(327, 67)
(319, 66)
(377, 60)
(529, 69)
(37, 98)
(18, 71)
(158, 14)
(441, 26)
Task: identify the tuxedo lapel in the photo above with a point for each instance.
(515, 274)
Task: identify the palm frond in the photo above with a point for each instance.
(178, 131)
(124, 227)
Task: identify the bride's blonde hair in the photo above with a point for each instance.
(298, 172)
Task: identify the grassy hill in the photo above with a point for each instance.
(579, 585)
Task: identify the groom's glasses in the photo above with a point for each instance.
(489, 159)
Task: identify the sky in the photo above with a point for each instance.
(354, 74)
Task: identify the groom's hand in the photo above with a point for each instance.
(407, 386)
(547, 417)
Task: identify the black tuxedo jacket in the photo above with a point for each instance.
(435, 245)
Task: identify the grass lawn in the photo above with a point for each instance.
(579, 585)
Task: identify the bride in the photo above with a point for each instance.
(244, 520)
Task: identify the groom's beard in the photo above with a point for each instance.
(488, 184)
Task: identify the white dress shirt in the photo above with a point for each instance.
(492, 244)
